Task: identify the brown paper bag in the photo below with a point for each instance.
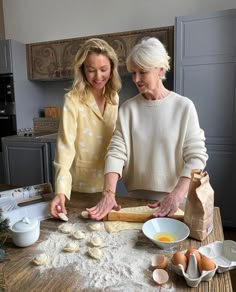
(199, 205)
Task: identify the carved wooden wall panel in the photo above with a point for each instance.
(55, 59)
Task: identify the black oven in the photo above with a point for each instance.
(7, 107)
(6, 88)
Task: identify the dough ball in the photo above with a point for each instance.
(96, 226)
(78, 234)
(95, 253)
(40, 259)
(66, 228)
(71, 247)
(85, 214)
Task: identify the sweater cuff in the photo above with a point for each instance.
(114, 165)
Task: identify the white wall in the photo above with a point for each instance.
(41, 20)
(31, 21)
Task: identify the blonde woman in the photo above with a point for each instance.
(87, 123)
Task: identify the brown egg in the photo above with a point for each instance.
(159, 261)
(194, 251)
(179, 258)
(206, 264)
(160, 276)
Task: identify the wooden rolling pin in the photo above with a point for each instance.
(129, 217)
(136, 217)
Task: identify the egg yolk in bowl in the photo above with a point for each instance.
(165, 236)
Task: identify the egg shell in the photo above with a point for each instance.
(179, 258)
(159, 261)
(160, 276)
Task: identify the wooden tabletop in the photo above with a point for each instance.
(17, 273)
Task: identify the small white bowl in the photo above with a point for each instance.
(168, 225)
(25, 232)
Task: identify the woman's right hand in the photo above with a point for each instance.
(104, 206)
(58, 205)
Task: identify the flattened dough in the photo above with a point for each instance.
(116, 226)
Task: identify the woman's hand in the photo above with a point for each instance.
(58, 205)
(104, 206)
(169, 205)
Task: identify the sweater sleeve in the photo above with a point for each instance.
(194, 150)
(65, 149)
(116, 155)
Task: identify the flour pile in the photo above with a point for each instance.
(125, 265)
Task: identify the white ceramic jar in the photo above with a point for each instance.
(25, 232)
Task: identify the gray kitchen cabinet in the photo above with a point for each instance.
(26, 163)
(205, 66)
(6, 59)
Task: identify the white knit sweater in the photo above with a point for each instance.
(156, 142)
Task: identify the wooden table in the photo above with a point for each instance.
(17, 273)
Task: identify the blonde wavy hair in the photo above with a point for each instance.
(80, 84)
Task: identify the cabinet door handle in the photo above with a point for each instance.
(4, 118)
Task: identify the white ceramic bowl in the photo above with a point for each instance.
(25, 232)
(166, 225)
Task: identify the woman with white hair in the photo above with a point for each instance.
(157, 141)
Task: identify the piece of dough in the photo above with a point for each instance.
(95, 252)
(40, 259)
(63, 216)
(116, 226)
(96, 226)
(71, 247)
(96, 241)
(85, 214)
(78, 234)
(66, 228)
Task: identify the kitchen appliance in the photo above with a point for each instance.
(20, 99)
(7, 107)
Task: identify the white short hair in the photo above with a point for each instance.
(148, 54)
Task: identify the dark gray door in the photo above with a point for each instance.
(205, 71)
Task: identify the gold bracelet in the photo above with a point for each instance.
(109, 191)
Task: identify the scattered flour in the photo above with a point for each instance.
(125, 265)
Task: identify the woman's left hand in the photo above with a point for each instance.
(168, 206)
(104, 206)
